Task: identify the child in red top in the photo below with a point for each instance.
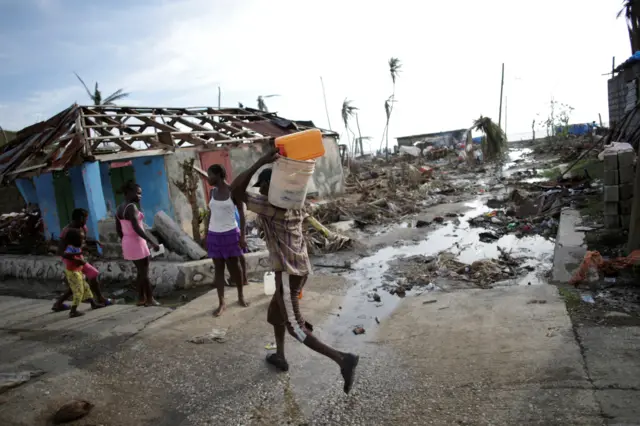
(73, 271)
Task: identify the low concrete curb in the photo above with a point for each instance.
(167, 276)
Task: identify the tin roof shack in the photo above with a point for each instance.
(80, 157)
(449, 139)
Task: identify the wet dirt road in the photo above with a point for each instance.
(502, 356)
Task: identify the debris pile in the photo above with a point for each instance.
(421, 271)
(22, 233)
(534, 209)
(381, 192)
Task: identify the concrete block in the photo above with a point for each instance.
(626, 191)
(611, 194)
(611, 209)
(611, 177)
(625, 221)
(611, 161)
(612, 222)
(626, 174)
(624, 207)
(626, 159)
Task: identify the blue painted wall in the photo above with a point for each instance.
(27, 190)
(107, 190)
(152, 177)
(80, 200)
(48, 206)
(92, 188)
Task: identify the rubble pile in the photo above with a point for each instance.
(380, 192)
(566, 149)
(22, 233)
(532, 209)
(424, 271)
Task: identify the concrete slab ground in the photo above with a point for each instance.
(611, 355)
(503, 357)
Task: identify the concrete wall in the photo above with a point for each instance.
(181, 207)
(107, 190)
(328, 178)
(152, 177)
(27, 190)
(47, 203)
(92, 186)
(166, 276)
(623, 94)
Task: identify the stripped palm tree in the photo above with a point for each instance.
(631, 11)
(358, 141)
(347, 112)
(262, 106)
(494, 144)
(96, 96)
(394, 69)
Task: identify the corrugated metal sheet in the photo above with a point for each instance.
(265, 128)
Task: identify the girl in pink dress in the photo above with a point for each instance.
(134, 240)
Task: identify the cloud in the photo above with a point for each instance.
(451, 60)
(38, 106)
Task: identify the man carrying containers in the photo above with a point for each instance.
(290, 260)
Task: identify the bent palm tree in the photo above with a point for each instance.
(347, 112)
(96, 96)
(494, 143)
(262, 106)
(631, 11)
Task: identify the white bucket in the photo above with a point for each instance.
(289, 181)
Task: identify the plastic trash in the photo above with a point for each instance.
(156, 253)
(587, 298)
(269, 282)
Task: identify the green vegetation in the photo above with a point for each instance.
(570, 296)
(494, 144)
(592, 165)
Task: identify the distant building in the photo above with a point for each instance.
(449, 139)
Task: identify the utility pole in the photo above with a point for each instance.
(501, 89)
(326, 109)
(219, 97)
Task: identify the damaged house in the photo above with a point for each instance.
(80, 158)
(448, 139)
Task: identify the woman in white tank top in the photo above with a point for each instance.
(225, 237)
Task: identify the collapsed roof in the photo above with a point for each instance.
(83, 133)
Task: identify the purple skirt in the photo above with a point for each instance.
(223, 245)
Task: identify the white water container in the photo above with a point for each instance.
(269, 282)
(289, 181)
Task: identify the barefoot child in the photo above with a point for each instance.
(73, 273)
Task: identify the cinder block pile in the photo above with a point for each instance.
(619, 175)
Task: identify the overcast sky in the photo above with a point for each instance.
(177, 52)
